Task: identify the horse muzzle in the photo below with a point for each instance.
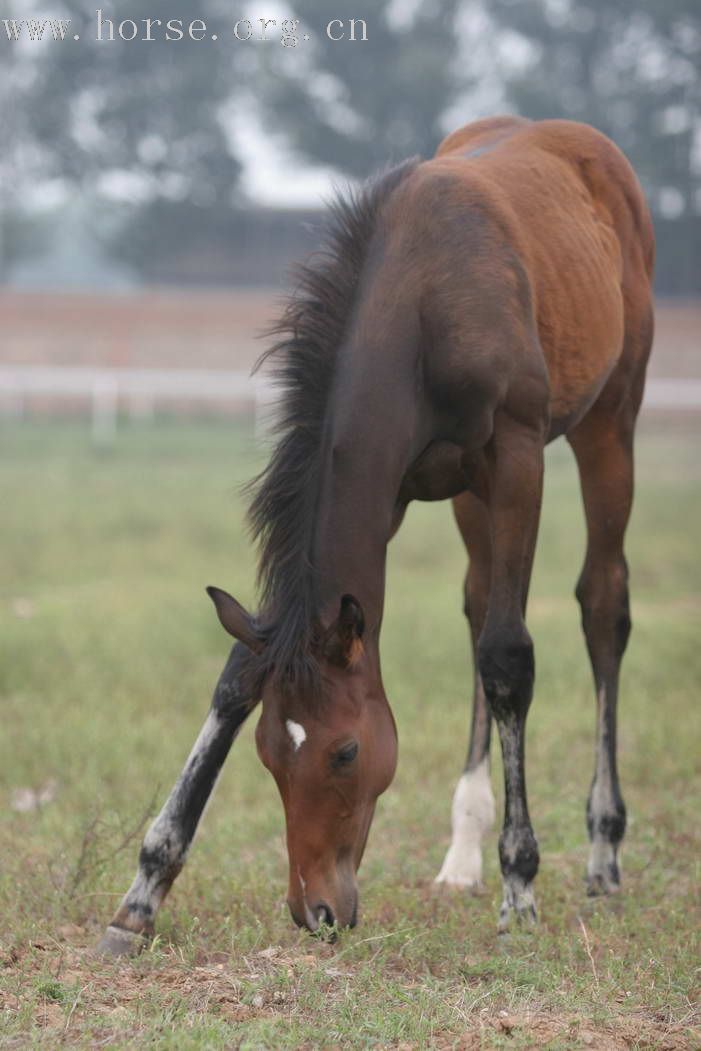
(325, 909)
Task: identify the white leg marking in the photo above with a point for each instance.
(164, 836)
(164, 829)
(602, 787)
(209, 731)
(207, 734)
(297, 733)
(602, 863)
(473, 815)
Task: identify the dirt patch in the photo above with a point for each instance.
(75, 995)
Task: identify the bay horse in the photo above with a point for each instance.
(466, 311)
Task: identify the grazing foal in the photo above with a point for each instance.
(467, 310)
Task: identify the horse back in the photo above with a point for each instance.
(545, 228)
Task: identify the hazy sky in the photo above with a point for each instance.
(264, 158)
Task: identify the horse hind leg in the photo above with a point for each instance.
(473, 801)
(167, 841)
(505, 649)
(604, 451)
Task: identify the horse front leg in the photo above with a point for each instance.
(167, 841)
(505, 648)
(472, 812)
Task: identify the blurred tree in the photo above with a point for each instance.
(16, 235)
(147, 111)
(131, 122)
(356, 104)
(146, 126)
(631, 68)
(21, 235)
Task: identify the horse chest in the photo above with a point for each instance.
(442, 471)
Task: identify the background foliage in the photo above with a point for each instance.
(149, 135)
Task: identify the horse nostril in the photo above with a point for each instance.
(325, 915)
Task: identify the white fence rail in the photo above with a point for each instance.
(672, 394)
(139, 391)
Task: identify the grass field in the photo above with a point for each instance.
(108, 652)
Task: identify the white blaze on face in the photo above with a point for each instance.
(297, 733)
(602, 853)
(473, 815)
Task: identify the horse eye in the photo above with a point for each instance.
(345, 755)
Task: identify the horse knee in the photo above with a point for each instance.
(507, 669)
(603, 598)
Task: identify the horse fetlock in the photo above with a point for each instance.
(518, 854)
(136, 916)
(606, 821)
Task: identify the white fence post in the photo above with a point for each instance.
(105, 399)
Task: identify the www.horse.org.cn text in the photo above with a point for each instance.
(287, 31)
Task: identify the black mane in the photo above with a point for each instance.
(283, 510)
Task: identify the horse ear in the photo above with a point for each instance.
(235, 619)
(344, 639)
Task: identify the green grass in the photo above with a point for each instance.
(109, 649)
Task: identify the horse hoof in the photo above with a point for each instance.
(603, 873)
(526, 917)
(443, 885)
(118, 942)
(519, 901)
(601, 884)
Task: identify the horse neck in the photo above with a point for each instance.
(372, 433)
